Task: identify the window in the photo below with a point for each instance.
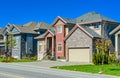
(59, 29)
(96, 25)
(59, 47)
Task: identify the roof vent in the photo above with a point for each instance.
(93, 13)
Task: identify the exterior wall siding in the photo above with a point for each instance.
(23, 45)
(105, 33)
(40, 50)
(119, 45)
(29, 43)
(79, 39)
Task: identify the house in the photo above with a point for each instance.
(74, 38)
(2, 46)
(116, 33)
(24, 36)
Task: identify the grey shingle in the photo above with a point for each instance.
(42, 25)
(88, 17)
(92, 16)
(69, 20)
(90, 31)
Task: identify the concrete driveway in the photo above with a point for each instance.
(48, 63)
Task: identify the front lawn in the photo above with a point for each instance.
(108, 69)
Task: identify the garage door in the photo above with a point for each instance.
(79, 55)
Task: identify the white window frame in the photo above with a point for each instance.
(59, 47)
(59, 29)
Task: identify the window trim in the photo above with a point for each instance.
(59, 47)
(59, 27)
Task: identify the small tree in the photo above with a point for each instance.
(11, 42)
(102, 46)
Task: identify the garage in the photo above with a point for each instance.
(79, 55)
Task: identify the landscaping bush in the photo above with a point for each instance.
(112, 59)
(8, 59)
(97, 58)
(48, 57)
(34, 58)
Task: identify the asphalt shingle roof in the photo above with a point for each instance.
(90, 31)
(42, 25)
(30, 27)
(91, 16)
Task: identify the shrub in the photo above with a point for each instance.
(98, 57)
(112, 59)
(8, 59)
(48, 57)
(34, 58)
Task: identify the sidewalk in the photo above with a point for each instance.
(50, 63)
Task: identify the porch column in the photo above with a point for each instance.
(53, 46)
(45, 44)
(116, 45)
(5, 39)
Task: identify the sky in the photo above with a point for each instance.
(23, 11)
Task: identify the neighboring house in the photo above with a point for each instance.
(24, 36)
(116, 32)
(75, 38)
(2, 46)
(46, 44)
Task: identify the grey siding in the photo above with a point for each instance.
(79, 39)
(23, 44)
(119, 44)
(29, 42)
(105, 33)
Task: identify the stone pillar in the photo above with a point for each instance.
(116, 45)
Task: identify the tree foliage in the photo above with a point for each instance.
(11, 42)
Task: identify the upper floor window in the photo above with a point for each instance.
(96, 25)
(59, 29)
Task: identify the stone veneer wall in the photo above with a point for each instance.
(79, 39)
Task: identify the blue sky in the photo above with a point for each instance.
(23, 11)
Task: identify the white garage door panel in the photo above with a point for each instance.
(79, 55)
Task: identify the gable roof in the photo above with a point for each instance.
(88, 17)
(115, 30)
(44, 34)
(86, 30)
(28, 27)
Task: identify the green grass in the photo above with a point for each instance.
(15, 60)
(1, 59)
(108, 69)
(23, 60)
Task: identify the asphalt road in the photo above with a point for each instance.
(27, 71)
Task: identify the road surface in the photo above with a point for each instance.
(12, 70)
